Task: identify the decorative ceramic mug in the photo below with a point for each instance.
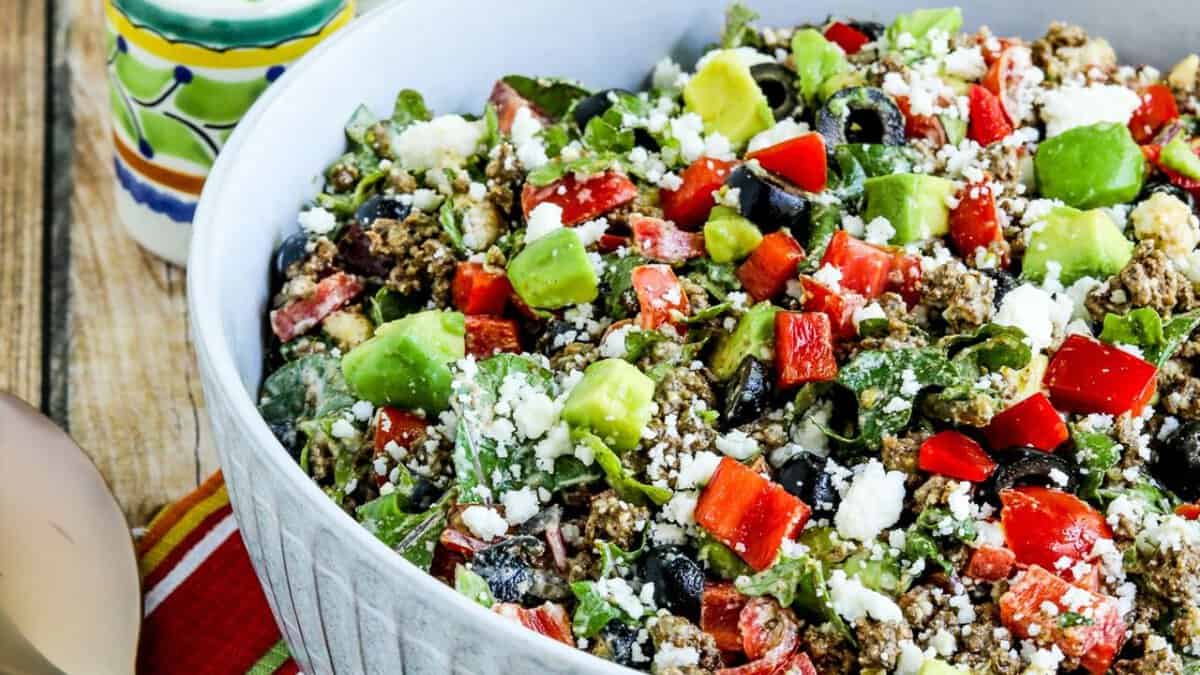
(181, 75)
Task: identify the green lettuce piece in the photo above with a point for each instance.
(356, 127)
(309, 387)
(826, 220)
(920, 24)
(1095, 452)
(473, 586)
(593, 612)
(1144, 328)
(638, 343)
(412, 535)
(991, 348)
(613, 558)
(856, 162)
(409, 108)
(877, 379)
(626, 486)
(721, 560)
(719, 279)
(557, 168)
(553, 96)
(616, 284)
(346, 204)
(884, 574)
(817, 60)
(797, 582)
(738, 32)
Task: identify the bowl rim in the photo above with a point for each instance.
(212, 350)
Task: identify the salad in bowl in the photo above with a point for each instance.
(854, 348)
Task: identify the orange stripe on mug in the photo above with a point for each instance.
(177, 180)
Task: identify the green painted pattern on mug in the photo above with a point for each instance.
(120, 111)
(174, 139)
(140, 80)
(217, 102)
(220, 33)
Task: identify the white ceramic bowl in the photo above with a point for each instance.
(345, 602)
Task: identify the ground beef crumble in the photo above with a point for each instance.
(1148, 280)
(879, 642)
(615, 520)
(679, 632)
(960, 296)
(425, 261)
(1067, 52)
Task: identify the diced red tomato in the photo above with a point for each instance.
(1033, 422)
(581, 201)
(611, 242)
(795, 663)
(801, 160)
(1094, 642)
(1188, 511)
(989, 121)
(550, 619)
(1153, 154)
(1158, 108)
(905, 276)
(688, 206)
(660, 240)
(839, 307)
(480, 290)
(749, 513)
(803, 348)
(298, 316)
(507, 102)
(659, 295)
(849, 38)
(928, 127)
(1004, 77)
(767, 628)
(974, 223)
(720, 606)
(1043, 525)
(992, 46)
(489, 335)
(461, 542)
(955, 455)
(766, 272)
(406, 429)
(864, 267)
(1089, 376)
(990, 563)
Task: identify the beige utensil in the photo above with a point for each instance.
(70, 597)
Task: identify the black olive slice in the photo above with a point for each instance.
(678, 580)
(506, 567)
(291, 250)
(778, 84)
(616, 643)
(860, 115)
(871, 29)
(769, 202)
(1159, 185)
(805, 477)
(380, 206)
(355, 255)
(748, 393)
(1005, 282)
(1021, 467)
(1178, 464)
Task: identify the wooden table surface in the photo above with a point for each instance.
(93, 329)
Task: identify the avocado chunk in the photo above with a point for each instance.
(614, 400)
(921, 24)
(728, 99)
(1179, 156)
(407, 363)
(1090, 166)
(1084, 243)
(915, 205)
(728, 236)
(754, 336)
(817, 60)
(554, 271)
(940, 667)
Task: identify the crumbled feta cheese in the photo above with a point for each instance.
(695, 470)
(519, 505)
(362, 410)
(317, 221)
(1035, 312)
(618, 592)
(668, 75)
(871, 311)
(443, 141)
(342, 429)
(737, 444)
(872, 504)
(544, 219)
(784, 130)
(670, 656)
(854, 601)
(965, 63)
(829, 276)
(484, 522)
(1073, 106)
(879, 231)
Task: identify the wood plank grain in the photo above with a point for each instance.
(135, 400)
(22, 131)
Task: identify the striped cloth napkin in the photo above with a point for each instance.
(204, 611)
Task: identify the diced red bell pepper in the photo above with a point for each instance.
(992, 46)
(1032, 423)
(1094, 642)
(1157, 109)
(749, 513)
(802, 160)
(1153, 154)
(989, 122)
(461, 542)
(490, 335)
(928, 127)
(974, 223)
(905, 276)
(767, 628)
(849, 38)
(803, 348)
(660, 240)
(1043, 525)
(1004, 77)
(1188, 511)
(1089, 376)
(990, 563)
(720, 606)
(550, 619)
(864, 267)
(581, 201)
(955, 455)
(659, 295)
(794, 663)
(688, 206)
(406, 429)
(611, 242)
(479, 290)
(766, 272)
(298, 316)
(507, 102)
(839, 307)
